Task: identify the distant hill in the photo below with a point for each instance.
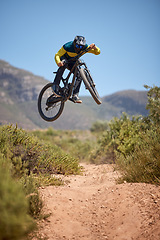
(19, 91)
(130, 101)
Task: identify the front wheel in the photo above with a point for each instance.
(50, 107)
(88, 82)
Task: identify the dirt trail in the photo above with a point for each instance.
(94, 207)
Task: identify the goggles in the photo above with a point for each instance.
(79, 46)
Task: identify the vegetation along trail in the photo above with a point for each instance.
(93, 206)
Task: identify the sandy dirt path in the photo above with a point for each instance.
(94, 207)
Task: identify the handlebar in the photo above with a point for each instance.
(81, 53)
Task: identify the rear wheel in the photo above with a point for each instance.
(50, 107)
(88, 82)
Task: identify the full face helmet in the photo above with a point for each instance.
(79, 43)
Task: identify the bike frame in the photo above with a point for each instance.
(78, 64)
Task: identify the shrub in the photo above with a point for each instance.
(29, 155)
(138, 151)
(99, 126)
(26, 163)
(112, 140)
(75, 143)
(30, 189)
(153, 104)
(143, 165)
(15, 221)
(134, 142)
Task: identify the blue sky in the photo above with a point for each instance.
(126, 31)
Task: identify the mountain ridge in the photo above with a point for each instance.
(19, 90)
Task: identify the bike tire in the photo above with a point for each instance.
(89, 85)
(52, 112)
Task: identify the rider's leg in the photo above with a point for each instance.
(77, 88)
(77, 85)
(57, 79)
(59, 74)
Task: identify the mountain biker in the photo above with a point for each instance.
(67, 51)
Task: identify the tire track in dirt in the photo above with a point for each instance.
(94, 207)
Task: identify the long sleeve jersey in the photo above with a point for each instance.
(68, 51)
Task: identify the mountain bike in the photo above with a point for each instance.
(50, 106)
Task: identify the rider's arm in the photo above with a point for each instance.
(59, 54)
(94, 49)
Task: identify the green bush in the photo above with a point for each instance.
(29, 155)
(30, 188)
(104, 150)
(138, 144)
(76, 143)
(15, 221)
(143, 165)
(99, 126)
(110, 141)
(153, 104)
(25, 164)
(134, 143)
